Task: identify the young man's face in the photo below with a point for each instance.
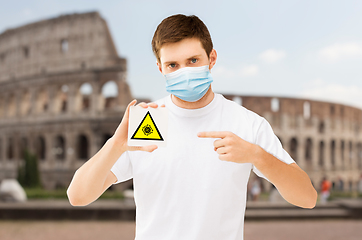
(186, 53)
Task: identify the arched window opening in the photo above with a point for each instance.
(333, 153)
(321, 154)
(42, 101)
(342, 154)
(11, 106)
(64, 45)
(308, 150)
(25, 103)
(10, 149)
(321, 127)
(332, 110)
(59, 148)
(294, 148)
(238, 100)
(86, 91)
(40, 148)
(23, 147)
(274, 104)
(82, 147)
(110, 93)
(26, 52)
(306, 110)
(350, 154)
(63, 98)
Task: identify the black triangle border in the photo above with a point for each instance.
(153, 139)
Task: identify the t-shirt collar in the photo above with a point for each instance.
(183, 112)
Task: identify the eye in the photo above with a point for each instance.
(172, 65)
(194, 60)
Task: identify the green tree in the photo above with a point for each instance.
(28, 174)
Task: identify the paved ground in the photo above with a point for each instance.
(117, 230)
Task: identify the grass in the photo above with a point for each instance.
(38, 193)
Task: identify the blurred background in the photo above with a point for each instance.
(68, 69)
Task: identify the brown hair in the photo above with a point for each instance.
(178, 27)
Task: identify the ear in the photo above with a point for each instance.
(213, 57)
(159, 66)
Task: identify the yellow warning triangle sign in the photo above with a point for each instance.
(147, 130)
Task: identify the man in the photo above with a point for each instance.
(195, 188)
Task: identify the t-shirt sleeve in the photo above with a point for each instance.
(123, 168)
(266, 139)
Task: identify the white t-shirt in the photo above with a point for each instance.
(184, 191)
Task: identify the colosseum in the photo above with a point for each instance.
(63, 92)
(324, 138)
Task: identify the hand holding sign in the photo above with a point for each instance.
(147, 126)
(231, 147)
(121, 133)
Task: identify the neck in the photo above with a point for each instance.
(202, 102)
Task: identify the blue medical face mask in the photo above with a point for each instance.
(189, 83)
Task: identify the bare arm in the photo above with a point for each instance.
(290, 180)
(95, 176)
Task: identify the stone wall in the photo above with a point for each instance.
(63, 92)
(324, 138)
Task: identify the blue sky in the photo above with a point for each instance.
(287, 48)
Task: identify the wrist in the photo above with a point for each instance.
(258, 155)
(116, 144)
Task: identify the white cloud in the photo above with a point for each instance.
(339, 51)
(337, 93)
(272, 55)
(249, 70)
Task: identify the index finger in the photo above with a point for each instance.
(212, 134)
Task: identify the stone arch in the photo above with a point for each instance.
(59, 148)
(25, 103)
(83, 97)
(11, 106)
(350, 154)
(82, 147)
(109, 92)
(61, 100)
(359, 156)
(333, 153)
(306, 110)
(23, 147)
(10, 149)
(40, 147)
(321, 154)
(308, 151)
(293, 146)
(274, 104)
(342, 153)
(42, 101)
(321, 127)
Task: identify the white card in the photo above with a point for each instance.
(147, 126)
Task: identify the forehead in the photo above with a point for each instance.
(180, 51)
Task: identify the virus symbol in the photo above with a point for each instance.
(147, 130)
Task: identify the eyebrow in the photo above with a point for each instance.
(195, 56)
